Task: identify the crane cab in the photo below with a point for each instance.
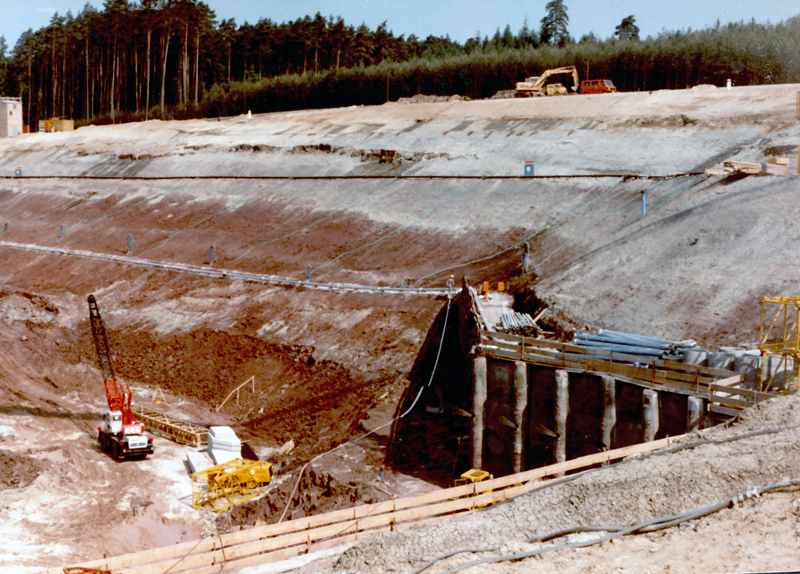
(113, 422)
(123, 440)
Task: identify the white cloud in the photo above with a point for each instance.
(46, 10)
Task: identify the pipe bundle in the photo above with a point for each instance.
(518, 324)
(618, 342)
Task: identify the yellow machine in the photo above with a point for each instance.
(230, 483)
(471, 476)
(779, 343)
(534, 86)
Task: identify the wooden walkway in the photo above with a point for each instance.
(720, 387)
(278, 542)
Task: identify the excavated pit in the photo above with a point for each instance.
(326, 361)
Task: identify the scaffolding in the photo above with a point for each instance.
(181, 432)
(234, 482)
(779, 343)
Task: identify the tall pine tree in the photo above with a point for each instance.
(554, 24)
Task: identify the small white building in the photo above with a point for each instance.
(10, 116)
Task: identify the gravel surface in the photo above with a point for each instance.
(623, 494)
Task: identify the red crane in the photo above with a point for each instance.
(122, 436)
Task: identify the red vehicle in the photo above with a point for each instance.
(597, 87)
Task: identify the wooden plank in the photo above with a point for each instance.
(650, 377)
(724, 410)
(744, 167)
(236, 555)
(666, 364)
(278, 556)
(271, 532)
(729, 382)
(259, 547)
(604, 367)
(370, 515)
(578, 463)
(233, 565)
(346, 516)
(705, 371)
(748, 393)
(777, 169)
(730, 402)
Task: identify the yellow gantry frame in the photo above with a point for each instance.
(230, 483)
(780, 338)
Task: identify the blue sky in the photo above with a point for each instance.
(461, 19)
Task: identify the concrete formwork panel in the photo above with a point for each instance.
(541, 420)
(672, 415)
(498, 436)
(585, 419)
(630, 425)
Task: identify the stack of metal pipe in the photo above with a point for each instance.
(618, 342)
(518, 324)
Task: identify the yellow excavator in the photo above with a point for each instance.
(535, 85)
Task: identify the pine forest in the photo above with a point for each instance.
(168, 59)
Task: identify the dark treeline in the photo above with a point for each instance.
(171, 58)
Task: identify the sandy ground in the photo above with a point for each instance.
(327, 360)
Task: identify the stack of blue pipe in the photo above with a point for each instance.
(618, 342)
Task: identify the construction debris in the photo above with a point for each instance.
(286, 448)
(778, 166)
(736, 167)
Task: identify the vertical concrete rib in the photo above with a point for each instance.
(562, 410)
(609, 410)
(650, 414)
(520, 406)
(478, 403)
(694, 413)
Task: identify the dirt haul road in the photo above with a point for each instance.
(694, 266)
